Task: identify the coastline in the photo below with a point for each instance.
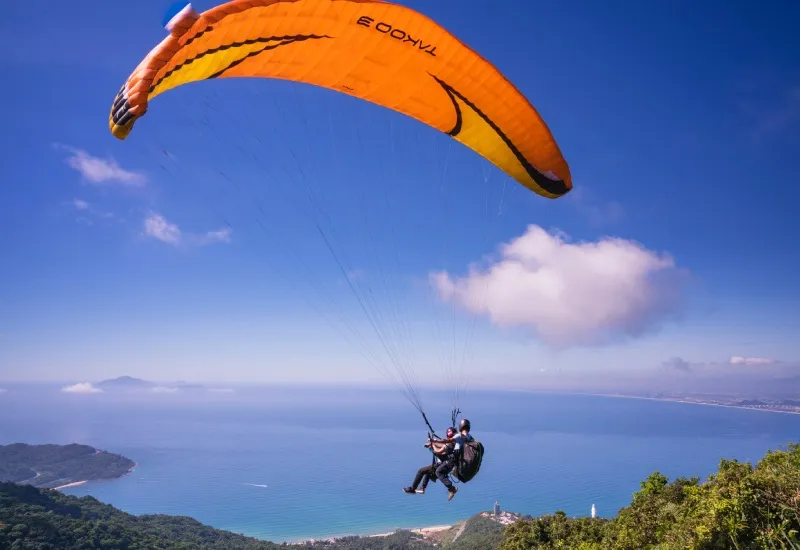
(424, 531)
(73, 484)
(685, 401)
(81, 482)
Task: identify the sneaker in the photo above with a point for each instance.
(451, 493)
(409, 490)
(421, 491)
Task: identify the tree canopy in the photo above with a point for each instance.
(741, 507)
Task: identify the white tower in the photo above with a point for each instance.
(496, 509)
(594, 511)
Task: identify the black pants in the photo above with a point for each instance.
(424, 474)
(442, 470)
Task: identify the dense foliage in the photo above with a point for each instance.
(49, 520)
(477, 533)
(740, 507)
(31, 518)
(401, 540)
(54, 465)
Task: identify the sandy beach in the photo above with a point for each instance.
(424, 531)
(73, 484)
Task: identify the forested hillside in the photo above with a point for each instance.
(54, 465)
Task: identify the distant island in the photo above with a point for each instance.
(740, 506)
(125, 382)
(129, 384)
(58, 466)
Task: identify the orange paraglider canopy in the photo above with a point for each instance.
(380, 52)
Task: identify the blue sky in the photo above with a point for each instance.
(184, 252)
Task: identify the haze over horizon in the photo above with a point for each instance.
(671, 379)
(180, 253)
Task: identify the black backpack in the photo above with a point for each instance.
(469, 460)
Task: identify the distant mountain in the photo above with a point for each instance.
(56, 465)
(125, 382)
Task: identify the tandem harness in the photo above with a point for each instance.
(432, 434)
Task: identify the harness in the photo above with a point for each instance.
(432, 434)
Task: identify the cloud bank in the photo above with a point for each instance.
(570, 293)
(81, 387)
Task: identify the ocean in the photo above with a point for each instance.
(286, 464)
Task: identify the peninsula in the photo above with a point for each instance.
(58, 466)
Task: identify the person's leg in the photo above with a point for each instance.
(441, 474)
(442, 471)
(430, 472)
(422, 472)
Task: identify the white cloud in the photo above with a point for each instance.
(163, 389)
(735, 360)
(211, 237)
(570, 294)
(97, 170)
(3, 390)
(158, 227)
(87, 209)
(221, 390)
(81, 387)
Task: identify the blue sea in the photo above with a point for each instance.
(287, 464)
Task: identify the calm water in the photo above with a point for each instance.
(334, 461)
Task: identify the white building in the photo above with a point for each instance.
(594, 511)
(496, 509)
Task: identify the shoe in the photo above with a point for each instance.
(451, 493)
(409, 490)
(421, 491)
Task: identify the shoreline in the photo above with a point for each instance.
(686, 402)
(683, 400)
(81, 482)
(73, 484)
(424, 531)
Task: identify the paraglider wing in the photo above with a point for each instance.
(387, 54)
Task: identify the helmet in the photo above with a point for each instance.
(451, 432)
(464, 425)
